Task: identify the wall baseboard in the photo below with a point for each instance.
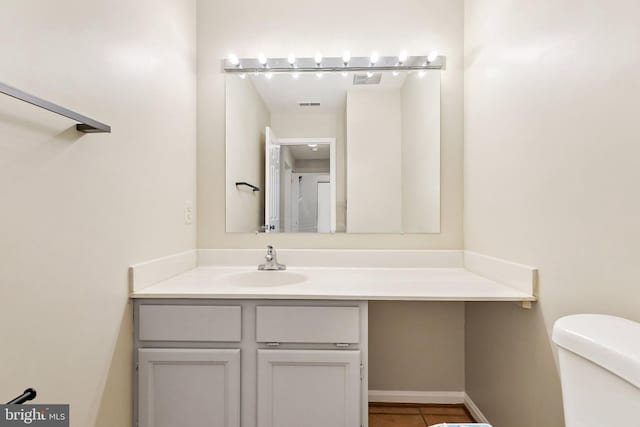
(434, 397)
(437, 397)
(475, 411)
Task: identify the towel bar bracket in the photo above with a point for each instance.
(86, 125)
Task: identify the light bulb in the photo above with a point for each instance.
(295, 75)
(233, 59)
(318, 58)
(292, 59)
(268, 75)
(421, 73)
(312, 145)
(262, 59)
(369, 74)
(374, 57)
(346, 57)
(344, 74)
(402, 57)
(432, 57)
(243, 76)
(395, 73)
(319, 75)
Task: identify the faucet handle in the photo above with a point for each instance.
(270, 253)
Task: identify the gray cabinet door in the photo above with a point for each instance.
(310, 388)
(188, 388)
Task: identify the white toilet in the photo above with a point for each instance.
(599, 370)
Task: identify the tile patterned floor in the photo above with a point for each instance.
(416, 415)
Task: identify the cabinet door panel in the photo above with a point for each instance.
(189, 388)
(311, 388)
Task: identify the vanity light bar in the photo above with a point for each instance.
(329, 64)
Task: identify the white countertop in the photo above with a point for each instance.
(409, 284)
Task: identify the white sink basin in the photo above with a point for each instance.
(261, 279)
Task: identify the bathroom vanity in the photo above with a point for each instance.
(218, 343)
(258, 363)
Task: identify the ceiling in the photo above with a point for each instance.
(304, 152)
(282, 92)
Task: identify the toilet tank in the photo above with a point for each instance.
(599, 369)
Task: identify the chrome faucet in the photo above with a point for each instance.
(271, 261)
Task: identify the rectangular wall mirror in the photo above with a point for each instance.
(355, 152)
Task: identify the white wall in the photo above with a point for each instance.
(394, 157)
(420, 165)
(246, 120)
(279, 26)
(551, 180)
(374, 153)
(78, 209)
(416, 346)
(307, 124)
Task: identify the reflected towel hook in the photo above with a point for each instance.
(252, 187)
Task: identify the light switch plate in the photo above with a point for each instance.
(188, 212)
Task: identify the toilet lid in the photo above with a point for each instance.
(611, 342)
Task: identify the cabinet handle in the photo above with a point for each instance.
(342, 345)
(273, 344)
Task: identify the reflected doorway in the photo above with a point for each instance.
(300, 184)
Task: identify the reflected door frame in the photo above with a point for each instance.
(331, 142)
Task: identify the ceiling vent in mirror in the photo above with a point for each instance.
(367, 79)
(308, 104)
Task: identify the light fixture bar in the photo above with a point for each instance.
(333, 64)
